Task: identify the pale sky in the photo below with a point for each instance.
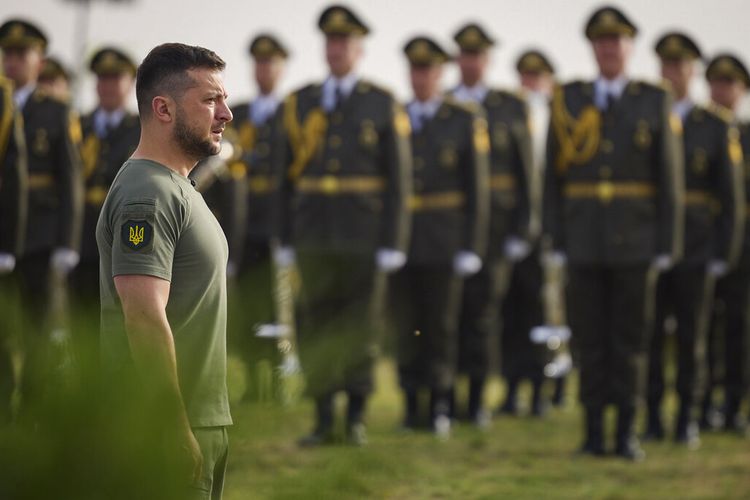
(555, 26)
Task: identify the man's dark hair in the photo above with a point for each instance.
(164, 71)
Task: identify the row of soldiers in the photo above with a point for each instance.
(447, 213)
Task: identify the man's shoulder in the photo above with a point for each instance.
(146, 181)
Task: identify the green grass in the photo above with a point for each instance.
(516, 458)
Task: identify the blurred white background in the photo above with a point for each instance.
(554, 26)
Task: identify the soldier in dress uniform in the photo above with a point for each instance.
(52, 134)
(613, 208)
(257, 125)
(729, 81)
(13, 206)
(713, 221)
(110, 135)
(523, 308)
(450, 147)
(54, 79)
(508, 229)
(537, 78)
(346, 182)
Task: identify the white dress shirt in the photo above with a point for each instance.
(345, 86)
(421, 111)
(263, 107)
(604, 88)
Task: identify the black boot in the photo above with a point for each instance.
(654, 427)
(439, 410)
(733, 419)
(323, 433)
(594, 441)
(510, 406)
(686, 429)
(627, 445)
(411, 404)
(356, 432)
(477, 414)
(558, 399)
(538, 406)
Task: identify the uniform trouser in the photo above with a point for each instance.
(607, 311)
(733, 291)
(338, 318)
(681, 292)
(523, 309)
(425, 302)
(37, 303)
(85, 311)
(8, 327)
(214, 445)
(251, 304)
(479, 320)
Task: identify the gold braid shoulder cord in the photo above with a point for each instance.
(6, 120)
(305, 138)
(578, 138)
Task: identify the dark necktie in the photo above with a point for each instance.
(339, 96)
(611, 101)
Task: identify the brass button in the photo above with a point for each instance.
(329, 184)
(605, 172)
(418, 162)
(606, 146)
(334, 141)
(333, 165)
(605, 191)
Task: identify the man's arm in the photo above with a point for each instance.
(144, 301)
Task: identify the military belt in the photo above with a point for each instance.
(436, 201)
(606, 191)
(502, 182)
(330, 185)
(698, 197)
(261, 184)
(41, 181)
(95, 195)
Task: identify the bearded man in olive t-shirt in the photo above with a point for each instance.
(163, 262)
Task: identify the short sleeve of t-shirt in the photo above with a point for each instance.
(146, 231)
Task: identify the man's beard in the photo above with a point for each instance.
(191, 143)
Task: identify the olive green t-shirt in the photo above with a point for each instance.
(155, 223)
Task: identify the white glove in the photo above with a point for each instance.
(284, 256)
(466, 263)
(717, 268)
(7, 263)
(556, 259)
(64, 260)
(390, 260)
(662, 262)
(516, 249)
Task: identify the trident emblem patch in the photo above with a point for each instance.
(137, 234)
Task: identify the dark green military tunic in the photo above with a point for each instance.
(346, 181)
(733, 293)
(55, 216)
(612, 203)
(102, 157)
(13, 206)
(713, 219)
(450, 206)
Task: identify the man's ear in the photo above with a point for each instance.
(163, 108)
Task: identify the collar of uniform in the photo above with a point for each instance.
(477, 93)
(423, 110)
(604, 87)
(262, 107)
(536, 98)
(103, 118)
(346, 84)
(683, 107)
(20, 96)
